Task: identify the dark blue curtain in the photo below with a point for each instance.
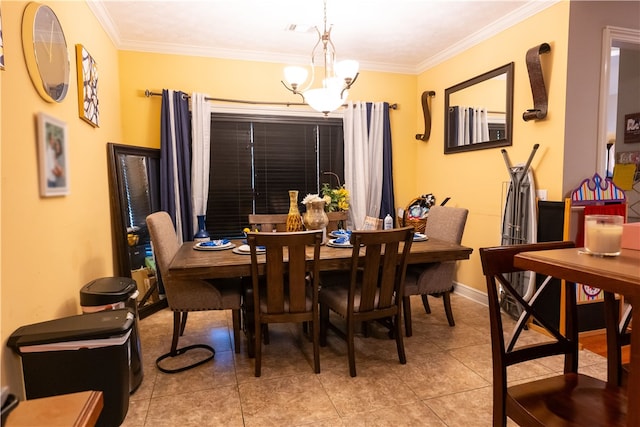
(175, 161)
(388, 199)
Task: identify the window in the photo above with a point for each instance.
(256, 160)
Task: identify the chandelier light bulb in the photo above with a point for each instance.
(347, 69)
(295, 76)
(323, 99)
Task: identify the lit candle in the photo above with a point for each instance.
(603, 234)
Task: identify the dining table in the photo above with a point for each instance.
(616, 274)
(190, 263)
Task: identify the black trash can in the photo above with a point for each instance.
(79, 353)
(111, 293)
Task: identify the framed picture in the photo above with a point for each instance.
(53, 156)
(1, 45)
(87, 86)
(632, 128)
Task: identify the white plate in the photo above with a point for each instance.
(246, 250)
(198, 246)
(332, 243)
(241, 252)
(419, 237)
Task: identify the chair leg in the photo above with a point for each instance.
(406, 307)
(324, 320)
(446, 298)
(351, 347)
(258, 349)
(399, 342)
(315, 326)
(235, 314)
(425, 303)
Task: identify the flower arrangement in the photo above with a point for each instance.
(336, 199)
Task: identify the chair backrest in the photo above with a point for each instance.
(287, 270)
(446, 223)
(163, 238)
(268, 222)
(372, 223)
(378, 270)
(497, 263)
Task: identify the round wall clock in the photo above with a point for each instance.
(45, 52)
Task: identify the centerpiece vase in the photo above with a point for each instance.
(315, 218)
(294, 220)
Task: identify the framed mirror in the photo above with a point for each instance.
(479, 112)
(134, 186)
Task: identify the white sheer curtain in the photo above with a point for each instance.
(200, 154)
(363, 156)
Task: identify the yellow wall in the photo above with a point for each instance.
(51, 247)
(256, 81)
(474, 180)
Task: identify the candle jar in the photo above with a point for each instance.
(603, 234)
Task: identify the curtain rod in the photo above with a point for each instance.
(149, 93)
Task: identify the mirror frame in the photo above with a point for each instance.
(503, 142)
(611, 36)
(122, 265)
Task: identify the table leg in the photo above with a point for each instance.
(633, 390)
(612, 319)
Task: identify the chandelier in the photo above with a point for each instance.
(337, 78)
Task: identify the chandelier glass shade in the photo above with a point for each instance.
(337, 76)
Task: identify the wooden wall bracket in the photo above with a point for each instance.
(539, 110)
(427, 116)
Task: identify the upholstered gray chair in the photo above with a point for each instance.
(184, 296)
(435, 279)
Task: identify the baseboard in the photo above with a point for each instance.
(470, 293)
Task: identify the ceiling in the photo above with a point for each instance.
(405, 36)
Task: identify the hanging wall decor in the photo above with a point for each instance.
(1, 45)
(53, 150)
(536, 79)
(87, 86)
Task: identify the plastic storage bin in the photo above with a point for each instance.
(112, 293)
(79, 353)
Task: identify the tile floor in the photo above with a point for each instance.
(446, 381)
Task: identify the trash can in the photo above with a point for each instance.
(111, 293)
(79, 353)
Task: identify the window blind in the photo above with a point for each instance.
(256, 160)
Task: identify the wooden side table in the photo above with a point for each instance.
(74, 410)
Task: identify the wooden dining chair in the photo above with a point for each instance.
(268, 222)
(288, 290)
(568, 399)
(373, 289)
(185, 295)
(436, 278)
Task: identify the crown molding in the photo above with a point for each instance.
(529, 9)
